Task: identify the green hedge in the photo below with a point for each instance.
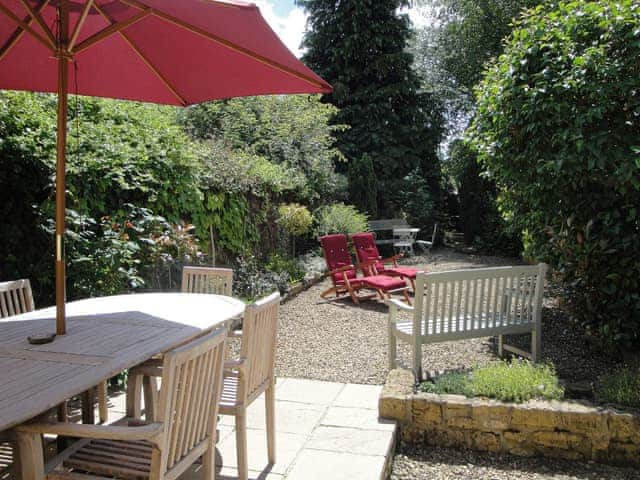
(558, 128)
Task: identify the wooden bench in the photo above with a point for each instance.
(473, 303)
(387, 225)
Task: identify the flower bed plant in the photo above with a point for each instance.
(516, 381)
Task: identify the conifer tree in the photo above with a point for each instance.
(359, 46)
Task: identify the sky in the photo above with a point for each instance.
(289, 21)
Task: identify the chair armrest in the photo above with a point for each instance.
(340, 270)
(393, 259)
(235, 365)
(105, 432)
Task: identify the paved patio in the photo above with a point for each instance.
(324, 430)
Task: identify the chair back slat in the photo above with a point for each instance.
(16, 297)
(189, 399)
(469, 300)
(259, 333)
(218, 281)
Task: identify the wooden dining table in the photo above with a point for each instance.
(105, 336)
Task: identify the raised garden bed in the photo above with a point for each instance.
(569, 430)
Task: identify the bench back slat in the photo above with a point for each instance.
(387, 224)
(467, 301)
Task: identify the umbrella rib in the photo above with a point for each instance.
(18, 32)
(224, 42)
(144, 58)
(79, 24)
(25, 27)
(38, 18)
(110, 30)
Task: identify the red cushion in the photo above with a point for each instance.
(384, 282)
(401, 271)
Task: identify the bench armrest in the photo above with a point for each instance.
(395, 304)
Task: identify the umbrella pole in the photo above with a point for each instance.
(63, 78)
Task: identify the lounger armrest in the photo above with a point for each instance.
(340, 270)
(392, 260)
(147, 432)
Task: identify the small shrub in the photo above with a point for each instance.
(621, 387)
(516, 381)
(294, 218)
(450, 382)
(340, 218)
(279, 264)
(250, 282)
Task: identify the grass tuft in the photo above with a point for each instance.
(516, 381)
(621, 387)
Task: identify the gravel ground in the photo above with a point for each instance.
(338, 341)
(411, 463)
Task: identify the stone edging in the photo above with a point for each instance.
(573, 431)
(300, 287)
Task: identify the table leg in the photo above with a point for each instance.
(88, 416)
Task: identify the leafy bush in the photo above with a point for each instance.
(621, 387)
(517, 381)
(250, 282)
(340, 218)
(294, 218)
(558, 128)
(291, 266)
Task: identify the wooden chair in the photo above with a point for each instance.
(473, 303)
(344, 275)
(184, 431)
(367, 254)
(252, 374)
(427, 245)
(207, 280)
(16, 297)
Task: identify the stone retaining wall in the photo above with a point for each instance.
(567, 430)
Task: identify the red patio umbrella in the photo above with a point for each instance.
(175, 52)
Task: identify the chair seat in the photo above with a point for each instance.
(401, 272)
(459, 325)
(383, 282)
(122, 459)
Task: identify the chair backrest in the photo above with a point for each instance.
(405, 235)
(15, 298)
(207, 280)
(367, 250)
(433, 235)
(259, 331)
(189, 400)
(336, 254)
(478, 299)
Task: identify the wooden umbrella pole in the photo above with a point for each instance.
(63, 68)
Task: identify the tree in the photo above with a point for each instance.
(359, 46)
(558, 128)
(362, 185)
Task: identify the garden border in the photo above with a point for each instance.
(569, 430)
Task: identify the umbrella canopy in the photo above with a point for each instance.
(175, 52)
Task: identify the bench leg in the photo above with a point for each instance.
(417, 358)
(500, 346)
(535, 345)
(392, 345)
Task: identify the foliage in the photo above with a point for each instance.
(279, 264)
(480, 219)
(360, 48)
(558, 129)
(621, 387)
(131, 250)
(294, 218)
(417, 201)
(284, 141)
(517, 381)
(362, 185)
(340, 218)
(250, 282)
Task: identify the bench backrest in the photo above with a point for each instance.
(457, 303)
(387, 224)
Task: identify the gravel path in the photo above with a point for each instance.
(338, 341)
(427, 463)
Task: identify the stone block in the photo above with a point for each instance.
(624, 427)
(590, 422)
(486, 441)
(624, 453)
(457, 411)
(562, 440)
(492, 416)
(532, 417)
(426, 411)
(395, 399)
